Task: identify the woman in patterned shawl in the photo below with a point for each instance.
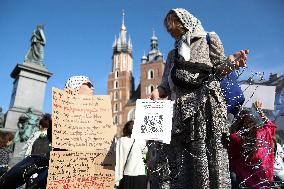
(197, 157)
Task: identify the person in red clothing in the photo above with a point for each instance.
(251, 149)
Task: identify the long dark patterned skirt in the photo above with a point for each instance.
(197, 157)
(181, 166)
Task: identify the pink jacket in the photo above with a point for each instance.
(265, 153)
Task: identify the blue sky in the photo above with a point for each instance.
(80, 34)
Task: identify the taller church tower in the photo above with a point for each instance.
(120, 79)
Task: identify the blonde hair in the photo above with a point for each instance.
(172, 21)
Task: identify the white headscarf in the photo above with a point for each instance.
(75, 82)
(194, 27)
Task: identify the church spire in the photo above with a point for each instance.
(122, 25)
(154, 54)
(123, 30)
(154, 41)
(154, 34)
(121, 44)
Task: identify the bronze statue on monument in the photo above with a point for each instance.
(36, 51)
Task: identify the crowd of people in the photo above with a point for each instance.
(205, 150)
(36, 158)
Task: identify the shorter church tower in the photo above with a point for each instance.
(151, 68)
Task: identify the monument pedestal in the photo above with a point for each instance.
(28, 91)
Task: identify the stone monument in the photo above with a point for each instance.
(30, 79)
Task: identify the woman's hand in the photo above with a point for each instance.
(234, 62)
(257, 105)
(239, 59)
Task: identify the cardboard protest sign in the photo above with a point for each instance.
(153, 120)
(81, 123)
(81, 170)
(263, 93)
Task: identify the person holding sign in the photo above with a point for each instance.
(83, 126)
(196, 157)
(79, 85)
(130, 167)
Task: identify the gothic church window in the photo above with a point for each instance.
(115, 84)
(116, 120)
(116, 74)
(115, 107)
(149, 89)
(151, 74)
(116, 95)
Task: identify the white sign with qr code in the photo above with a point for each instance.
(153, 120)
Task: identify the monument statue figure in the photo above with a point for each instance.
(2, 118)
(27, 125)
(36, 51)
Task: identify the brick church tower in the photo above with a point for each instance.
(151, 69)
(121, 81)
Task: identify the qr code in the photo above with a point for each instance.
(152, 124)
